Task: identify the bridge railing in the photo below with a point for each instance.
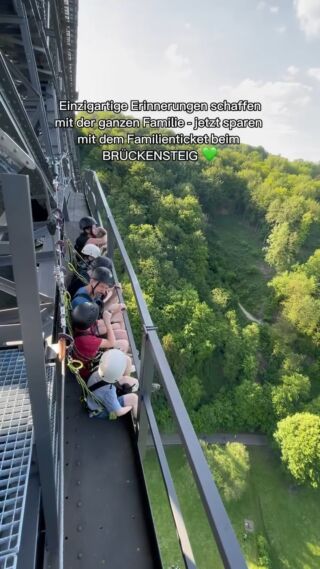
(153, 360)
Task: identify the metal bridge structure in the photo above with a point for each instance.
(73, 491)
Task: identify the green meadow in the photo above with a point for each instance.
(285, 515)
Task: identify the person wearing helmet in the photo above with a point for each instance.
(111, 302)
(102, 383)
(96, 291)
(101, 261)
(87, 341)
(90, 252)
(85, 315)
(106, 263)
(101, 281)
(101, 289)
(89, 234)
(82, 275)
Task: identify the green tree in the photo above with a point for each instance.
(250, 348)
(192, 391)
(289, 396)
(298, 295)
(253, 407)
(298, 437)
(230, 466)
(283, 244)
(232, 347)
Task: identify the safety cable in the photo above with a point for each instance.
(75, 366)
(73, 253)
(73, 270)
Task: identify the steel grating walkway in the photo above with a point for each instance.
(16, 441)
(16, 437)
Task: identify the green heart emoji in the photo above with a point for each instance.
(209, 153)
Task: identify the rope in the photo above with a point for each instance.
(73, 270)
(75, 366)
(67, 305)
(73, 253)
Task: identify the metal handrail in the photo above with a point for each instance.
(225, 538)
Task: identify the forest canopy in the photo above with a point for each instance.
(233, 373)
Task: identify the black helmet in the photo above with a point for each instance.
(85, 314)
(103, 275)
(86, 223)
(102, 262)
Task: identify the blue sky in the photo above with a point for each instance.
(174, 50)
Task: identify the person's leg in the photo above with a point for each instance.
(131, 399)
(122, 345)
(132, 381)
(117, 318)
(121, 335)
(116, 312)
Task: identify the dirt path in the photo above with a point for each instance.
(221, 438)
(248, 315)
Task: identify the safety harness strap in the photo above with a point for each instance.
(97, 385)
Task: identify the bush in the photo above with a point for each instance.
(263, 552)
(253, 407)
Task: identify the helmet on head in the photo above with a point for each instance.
(102, 262)
(85, 314)
(112, 365)
(91, 250)
(87, 222)
(103, 275)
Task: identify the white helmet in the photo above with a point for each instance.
(91, 250)
(112, 365)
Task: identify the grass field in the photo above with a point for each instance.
(239, 247)
(286, 516)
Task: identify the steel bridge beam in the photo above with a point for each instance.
(34, 73)
(16, 196)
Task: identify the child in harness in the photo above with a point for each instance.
(103, 383)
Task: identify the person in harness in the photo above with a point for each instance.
(102, 261)
(92, 336)
(103, 381)
(88, 344)
(100, 284)
(111, 302)
(101, 281)
(89, 234)
(81, 276)
(89, 253)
